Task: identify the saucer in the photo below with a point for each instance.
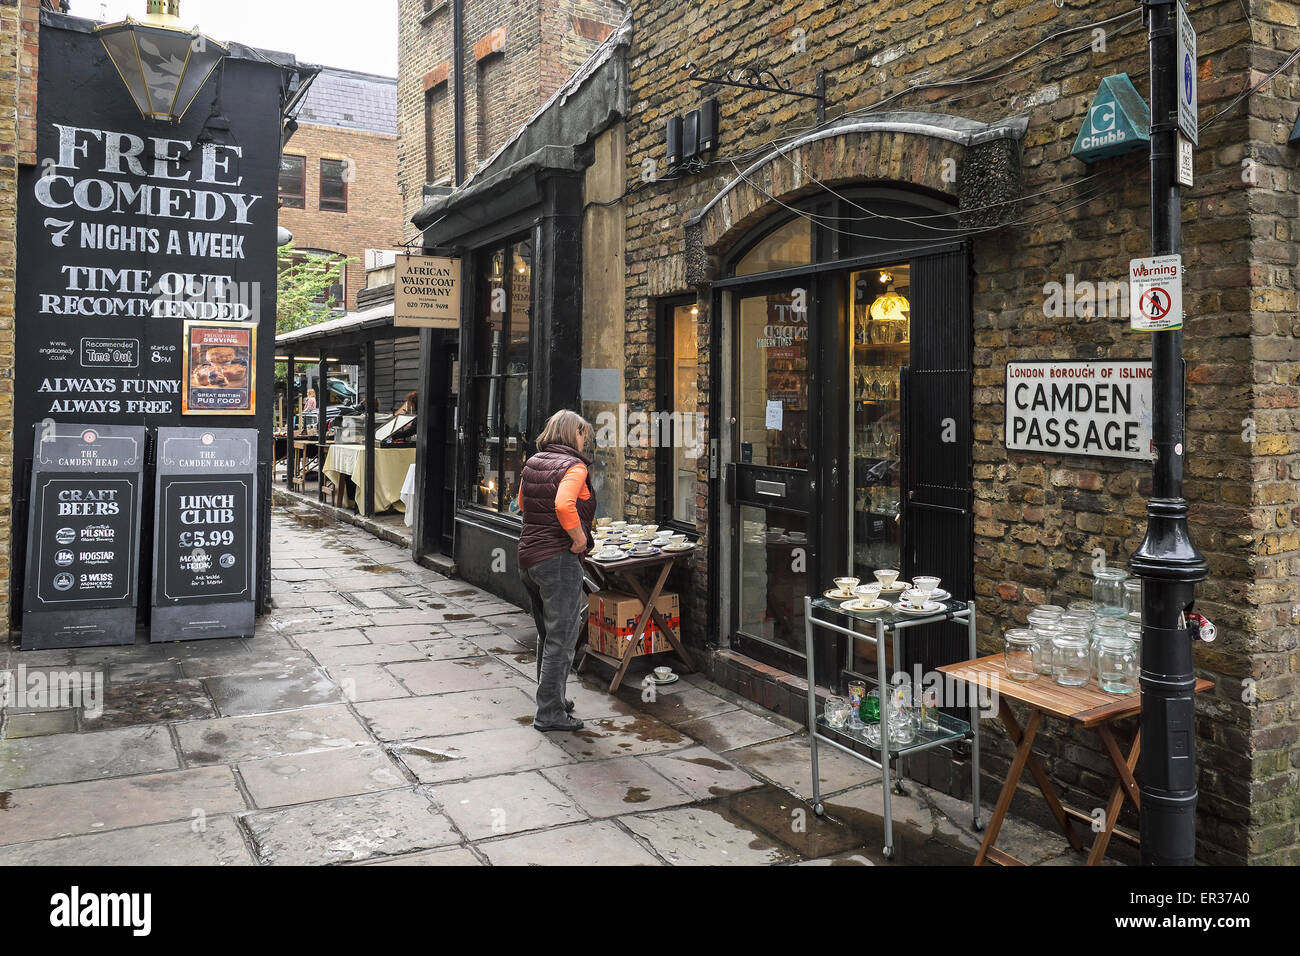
(933, 607)
(897, 586)
(655, 680)
(684, 546)
(647, 553)
(857, 604)
(609, 557)
(938, 594)
(836, 595)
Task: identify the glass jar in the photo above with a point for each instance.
(1053, 609)
(1103, 628)
(1117, 666)
(1108, 591)
(1020, 654)
(1133, 599)
(1045, 628)
(1089, 606)
(1070, 664)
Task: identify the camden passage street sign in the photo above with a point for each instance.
(1080, 408)
(1155, 293)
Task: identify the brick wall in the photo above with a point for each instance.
(1039, 518)
(374, 215)
(19, 28)
(516, 55)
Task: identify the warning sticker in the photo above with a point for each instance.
(1155, 293)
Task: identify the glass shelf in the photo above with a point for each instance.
(949, 729)
(889, 616)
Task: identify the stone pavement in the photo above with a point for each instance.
(382, 715)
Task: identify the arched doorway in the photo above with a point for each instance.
(845, 395)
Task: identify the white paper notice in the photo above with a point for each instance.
(775, 412)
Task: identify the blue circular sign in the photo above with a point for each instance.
(1188, 77)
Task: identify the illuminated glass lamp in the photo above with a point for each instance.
(162, 64)
(890, 305)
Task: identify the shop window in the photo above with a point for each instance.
(785, 247)
(293, 181)
(499, 373)
(334, 175)
(680, 434)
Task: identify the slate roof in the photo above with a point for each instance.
(351, 100)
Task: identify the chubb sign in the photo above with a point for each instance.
(1118, 121)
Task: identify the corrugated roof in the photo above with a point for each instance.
(351, 100)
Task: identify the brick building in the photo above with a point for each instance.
(515, 56)
(338, 174)
(944, 171)
(19, 49)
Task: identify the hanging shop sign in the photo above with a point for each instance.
(84, 521)
(426, 292)
(1118, 121)
(1186, 74)
(1100, 409)
(219, 368)
(205, 533)
(1155, 293)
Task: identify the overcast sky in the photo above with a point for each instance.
(356, 34)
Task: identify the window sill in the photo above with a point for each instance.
(438, 8)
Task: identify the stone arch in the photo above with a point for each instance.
(908, 149)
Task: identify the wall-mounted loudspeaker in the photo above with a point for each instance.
(674, 142)
(708, 126)
(691, 135)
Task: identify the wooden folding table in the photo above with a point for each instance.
(1088, 707)
(625, 576)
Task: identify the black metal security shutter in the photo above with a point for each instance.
(938, 531)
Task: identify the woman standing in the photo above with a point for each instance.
(557, 503)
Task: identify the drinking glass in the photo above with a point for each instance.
(857, 690)
(836, 712)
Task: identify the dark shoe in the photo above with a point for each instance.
(568, 706)
(573, 723)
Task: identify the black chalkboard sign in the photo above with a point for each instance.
(82, 575)
(205, 573)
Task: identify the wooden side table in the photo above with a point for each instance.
(624, 575)
(1088, 707)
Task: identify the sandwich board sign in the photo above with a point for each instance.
(83, 535)
(1155, 293)
(205, 541)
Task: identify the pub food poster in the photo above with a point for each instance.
(127, 228)
(218, 374)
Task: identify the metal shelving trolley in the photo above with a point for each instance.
(948, 728)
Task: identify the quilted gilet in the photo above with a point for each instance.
(542, 536)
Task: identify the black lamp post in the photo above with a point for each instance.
(1167, 561)
(162, 64)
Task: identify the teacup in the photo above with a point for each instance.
(886, 578)
(661, 542)
(926, 585)
(846, 585)
(641, 547)
(602, 522)
(868, 592)
(663, 673)
(678, 539)
(618, 525)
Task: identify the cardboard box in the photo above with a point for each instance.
(612, 617)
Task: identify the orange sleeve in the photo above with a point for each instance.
(572, 486)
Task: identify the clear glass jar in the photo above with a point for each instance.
(1083, 619)
(1089, 606)
(1108, 591)
(1053, 609)
(1070, 664)
(1020, 654)
(1133, 599)
(1045, 628)
(1103, 628)
(1117, 666)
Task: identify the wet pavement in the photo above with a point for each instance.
(382, 714)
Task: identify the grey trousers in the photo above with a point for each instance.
(560, 610)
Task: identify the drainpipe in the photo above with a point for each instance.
(458, 94)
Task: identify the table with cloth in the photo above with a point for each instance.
(391, 464)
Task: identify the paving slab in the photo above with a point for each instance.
(134, 672)
(732, 729)
(298, 574)
(621, 737)
(131, 705)
(230, 739)
(40, 723)
(63, 758)
(217, 843)
(305, 778)
(609, 788)
(402, 633)
(97, 806)
(788, 763)
(701, 772)
(493, 806)
(367, 682)
(599, 843)
(482, 753)
(295, 686)
(446, 677)
(697, 836)
(791, 822)
(451, 856)
(677, 703)
(416, 717)
(349, 829)
(313, 599)
(360, 654)
(341, 637)
(448, 648)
